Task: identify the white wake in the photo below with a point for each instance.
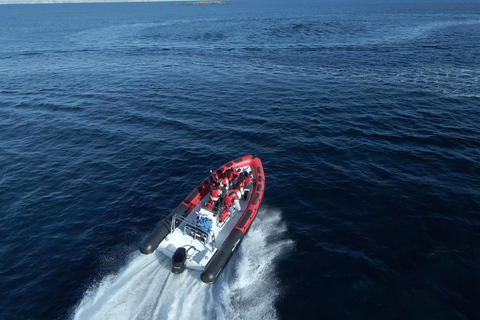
(146, 289)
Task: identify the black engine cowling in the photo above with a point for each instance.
(178, 260)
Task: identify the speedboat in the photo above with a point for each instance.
(204, 231)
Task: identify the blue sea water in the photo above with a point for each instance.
(366, 116)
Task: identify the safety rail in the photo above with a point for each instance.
(190, 228)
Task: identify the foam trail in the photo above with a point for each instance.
(146, 289)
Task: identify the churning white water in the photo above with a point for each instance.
(146, 289)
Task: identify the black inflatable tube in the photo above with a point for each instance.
(245, 218)
(161, 231)
(215, 266)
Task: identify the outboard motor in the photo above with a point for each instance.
(178, 260)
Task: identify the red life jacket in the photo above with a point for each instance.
(233, 195)
(241, 180)
(234, 175)
(228, 200)
(225, 181)
(215, 193)
(223, 215)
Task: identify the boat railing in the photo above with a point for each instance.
(190, 227)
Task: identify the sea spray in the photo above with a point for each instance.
(146, 289)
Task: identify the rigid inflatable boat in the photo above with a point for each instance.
(203, 232)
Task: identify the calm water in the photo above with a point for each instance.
(366, 117)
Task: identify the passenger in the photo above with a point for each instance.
(234, 174)
(214, 175)
(222, 216)
(241, 182)
(233, 199)
(230, 198)
(225, 181)
(215, 195)
(246, 183)
(237, 201)
(248, 178)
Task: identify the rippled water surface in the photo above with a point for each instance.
(366, 117)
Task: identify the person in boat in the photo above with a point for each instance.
(241, 179)
(232, 199)
(234, 173)
(236, 201)
(222, 216)
(224, 181)
(216, 192)
(247, 180)
(214, 175)
(244, 180)
(215, 195)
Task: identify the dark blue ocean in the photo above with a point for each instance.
(366, 117)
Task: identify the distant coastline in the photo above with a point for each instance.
(98, 1)
(200, 2)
